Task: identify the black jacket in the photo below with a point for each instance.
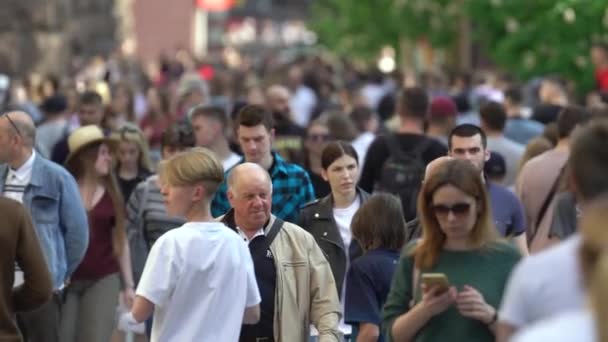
(317, 218)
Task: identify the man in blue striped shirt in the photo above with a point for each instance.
(291, 186)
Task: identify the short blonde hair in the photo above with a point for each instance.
(196, 165)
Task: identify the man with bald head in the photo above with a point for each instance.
(294, 278)
(60, 220)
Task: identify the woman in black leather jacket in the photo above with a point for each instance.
(328, 219)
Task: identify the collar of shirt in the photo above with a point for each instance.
(24, 172)
(242, 234)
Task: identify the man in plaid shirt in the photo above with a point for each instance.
(291, 186)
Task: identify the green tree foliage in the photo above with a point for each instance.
(526, 37)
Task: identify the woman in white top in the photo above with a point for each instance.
(328, 219)
(589, 324)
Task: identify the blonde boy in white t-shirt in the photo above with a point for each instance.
(198, 279)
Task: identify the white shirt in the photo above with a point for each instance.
(302, 103)
(231, 161)
(200, 278)
(544, 285)
(576, 326)
(244, 236)
(361, 145)
(17, 180)
(343, 219)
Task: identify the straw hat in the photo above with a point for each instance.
(83, 137)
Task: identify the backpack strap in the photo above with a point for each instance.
(142, 204)
(272, 234)
(394, 146)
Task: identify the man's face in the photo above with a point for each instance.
(279, 102)
(255, 142)
(205, 130)
(251, 199)
(90, 114)
(471, 149)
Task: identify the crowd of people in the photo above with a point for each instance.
(303, 202)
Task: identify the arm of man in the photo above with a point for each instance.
(74, 220)
(519, 225)
(142, 309)
(515, 303)
(37, 287)
(324, 303)
(368, 332)
(372, 166)
(157, 280)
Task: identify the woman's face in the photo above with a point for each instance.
(316, 138)
(342, 175)
(128, 153)
(455, 211)
(103, 163)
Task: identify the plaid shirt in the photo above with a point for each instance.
(291, 189)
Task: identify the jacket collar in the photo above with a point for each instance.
(229, 221)
(38, 173)
(326, 205)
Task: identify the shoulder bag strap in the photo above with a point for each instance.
(272, 234)
(548, 199)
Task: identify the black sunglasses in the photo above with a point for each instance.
(13, 124)
(458, 209)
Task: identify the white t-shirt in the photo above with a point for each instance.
(571, 326)
(343, 219)
(231, 161)
(200, 278)
(544, 285)
(361, 145)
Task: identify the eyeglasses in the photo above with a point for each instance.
(318, 137)
(13, 124)
(458, 209)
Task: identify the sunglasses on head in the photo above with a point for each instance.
(458, 209)
(13, 124)
(318, 137)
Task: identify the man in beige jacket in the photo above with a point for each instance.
(294, 278)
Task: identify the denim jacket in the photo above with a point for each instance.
(61, 222)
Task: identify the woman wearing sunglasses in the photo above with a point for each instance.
(460, 242)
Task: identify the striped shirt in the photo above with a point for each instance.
(17, 180)
(291, 189)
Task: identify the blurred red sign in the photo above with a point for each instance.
(215, 5)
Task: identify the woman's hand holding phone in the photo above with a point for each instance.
(436, 300)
